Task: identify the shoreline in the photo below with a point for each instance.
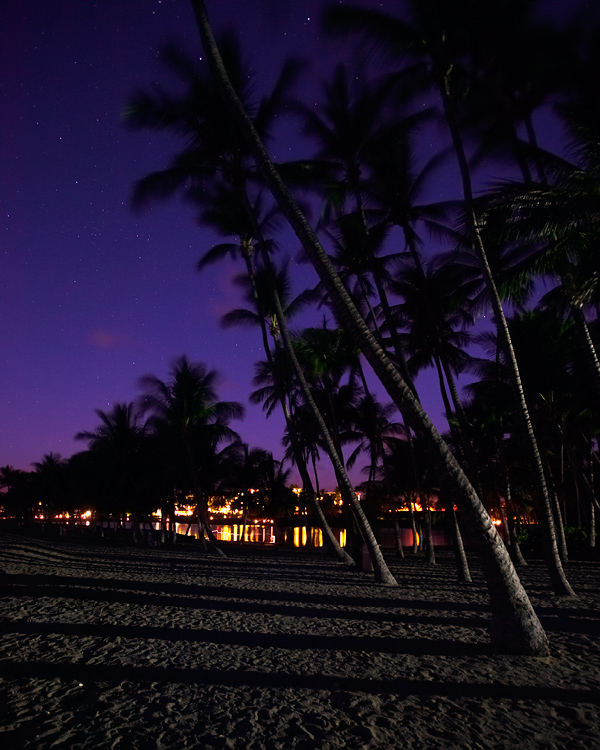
(111, 646)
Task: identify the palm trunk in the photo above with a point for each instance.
(562, 540)
(559, 580)
(307, 485)
(462, 564)
(382, 572)
(515, 626)
(458, 409)
(213, 542)
(590, 349)
(202, 506)
(514, 547)
(430, 548)
(328, 534)
(398, 535)
(243, 524)
(413, 525)
(444, 392)
(593, 502)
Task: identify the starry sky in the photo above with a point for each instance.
(93, 295)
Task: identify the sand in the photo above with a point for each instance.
(107, 647)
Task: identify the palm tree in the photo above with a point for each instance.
(372, 422)
(194, 430)
(512, 71)
(276, 379)
(119, 445)
(515, 624)
(438, 41)
(436, 312)
(560, 221)
(19, 497)
(51, 481)
(229, 205)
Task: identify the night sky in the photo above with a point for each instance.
(93, 295)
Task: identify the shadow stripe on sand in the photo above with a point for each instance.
(37, 582)
(289, 641)
(240, 678)
(250, 607)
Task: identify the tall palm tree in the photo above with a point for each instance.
(373, 424)
(218, 157)
(560, 221)
(435, 309)
(120, 447)
(515, 624)
(51, 481)
(194, 429)
(438, 42)
(19, 495)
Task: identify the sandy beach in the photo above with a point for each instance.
(105, 646)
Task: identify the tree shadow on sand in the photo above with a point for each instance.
(85, 673)
(288, 641)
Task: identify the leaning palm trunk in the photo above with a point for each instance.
(206, 533)
(557, 574)
(558, 516)
(398, 535)
(515, 626)
(590, 349)
(331, 541)
(382, 572)
(429, 545)
(413, 525)
(514, 546)
(307, 485)
(308, 488)
(462, 564)
(593, 502)
(562, 539)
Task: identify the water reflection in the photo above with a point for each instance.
(256, 532)
(265, 533)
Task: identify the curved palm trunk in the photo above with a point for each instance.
(213, 543)
(393, 331)
(201, 508)
(593, 502)
(307, 485)
(515, 626)
(515, 547)
(382, 572)
(455, 422)
(413, 526)
(562, 540)
(590, 349)
(398, 535)
(512, 543)
(429, 546)
(462, 564)
(458, 409)
(557, 574)
(443, 391)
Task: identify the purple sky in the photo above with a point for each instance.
(92, 296)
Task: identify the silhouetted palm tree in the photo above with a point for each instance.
(193, 426)
(119, 446)
(515, 625)
(438, 41)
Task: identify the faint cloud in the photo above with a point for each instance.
(102, 338)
